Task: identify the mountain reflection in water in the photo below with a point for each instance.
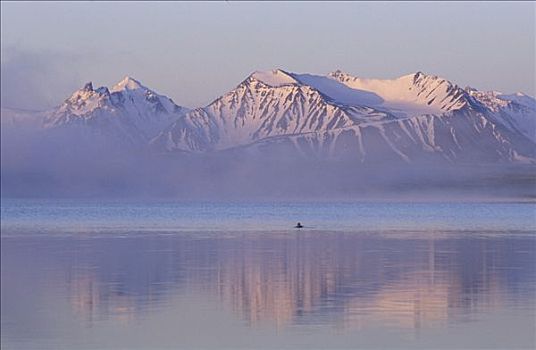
(344, 281)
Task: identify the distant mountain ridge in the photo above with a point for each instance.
(337, 116)
(128, 111)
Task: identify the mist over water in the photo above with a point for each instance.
(84, 164)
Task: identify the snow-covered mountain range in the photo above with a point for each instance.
(128, 113)
(414, 117)
(337, 116)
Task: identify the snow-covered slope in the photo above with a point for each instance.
(264, 105)
(410, 118)
(128, 111)
(520, 98)
(274, 78)
(411, 94)
(516, 112)
(458, 136)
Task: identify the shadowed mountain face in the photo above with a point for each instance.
(331, 130)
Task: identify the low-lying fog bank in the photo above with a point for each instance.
(56, 167)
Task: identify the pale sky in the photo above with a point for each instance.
(194, 52)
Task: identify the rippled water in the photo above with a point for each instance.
(72, 279)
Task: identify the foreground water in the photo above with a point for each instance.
(90, 275)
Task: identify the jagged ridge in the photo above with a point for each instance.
(127, 111)
(339, 114)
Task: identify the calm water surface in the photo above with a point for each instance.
(90, 275)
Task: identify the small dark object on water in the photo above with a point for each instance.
(298, 225)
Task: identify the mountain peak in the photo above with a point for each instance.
(415, 93)
(415, 77)
(338, 74)
(88, 86)
(274, 78)
(128, 110)
(128, 83)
